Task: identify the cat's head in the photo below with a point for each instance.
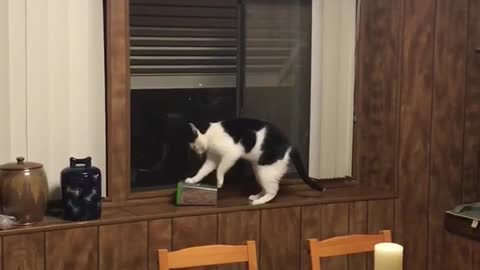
(198, 141)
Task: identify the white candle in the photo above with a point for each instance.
(388, 256)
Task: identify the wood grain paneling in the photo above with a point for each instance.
(159, 237)
(417, 77)
(471, 160)
(280, 243)
(377, 92)
(24, 252)
(411, 210)
(236, 228)
(447, 251)
(194, 231)
(476, 255)
(471, 145)
(357, 225)
(75, 249)
(380, 217)
(123, 246)
(322, 222)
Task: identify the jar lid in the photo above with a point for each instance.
(20, 165)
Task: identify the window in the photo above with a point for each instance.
(207, 60)
(202, 61)
(184, 66)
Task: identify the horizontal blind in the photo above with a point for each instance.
(183, 37)
(273, 41)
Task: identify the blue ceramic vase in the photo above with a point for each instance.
(81, 190)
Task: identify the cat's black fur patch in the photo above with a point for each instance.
(274, 146)
(244, 131)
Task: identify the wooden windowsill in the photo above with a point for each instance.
(228, 202)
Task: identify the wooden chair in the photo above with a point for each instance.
(344, 245)
(208, 255)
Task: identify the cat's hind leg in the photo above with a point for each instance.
(269, 179)
(254, 197)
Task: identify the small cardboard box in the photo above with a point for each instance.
(196, 194)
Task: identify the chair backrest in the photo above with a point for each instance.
(344, 245)
(208, 255)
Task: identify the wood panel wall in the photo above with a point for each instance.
(280, 233)
(419, 77)
(418, 108)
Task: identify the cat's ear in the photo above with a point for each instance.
(194, 128)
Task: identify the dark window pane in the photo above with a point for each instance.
(277, 73)
(160, 154)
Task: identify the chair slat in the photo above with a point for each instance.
(209, 255)
(344, 245)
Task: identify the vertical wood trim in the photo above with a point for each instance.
(377, 92)
(322, 222)
(411, 209)
(357, 224)
(123, 246)
(447, 251)
(159, 237)
(195, 231)
(26, 251)
(280, 243)
(471, 146)
(236, 228)
(1, 253)
(380, 215)
(118, 100)
(74, 249)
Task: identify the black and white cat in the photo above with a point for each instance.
(267, 149)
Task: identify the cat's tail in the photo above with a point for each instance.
(298, 163)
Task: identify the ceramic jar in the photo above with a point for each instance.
(81, 190)
(23, 191)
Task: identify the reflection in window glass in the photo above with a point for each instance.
(201, 61)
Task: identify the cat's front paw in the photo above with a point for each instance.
(219, 185)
